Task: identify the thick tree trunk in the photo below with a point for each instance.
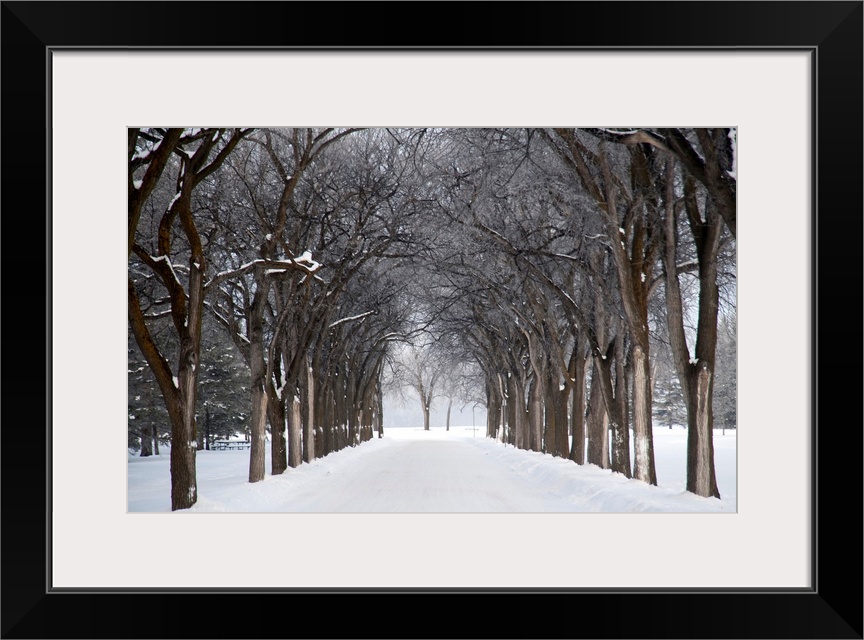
(701, 477)
(351, 415)
(578, 364)
(309, 438)
(492, 408)
(615, 409)
(550, 418)
(366, 419)
(536, 392)
(643, 445)
(621, 426)
(179, 394)
(616, 412)
(535, 414)
(278, 446)
(257, 431)
(184, 441)
(519, 414)
(493, 417)
(620, 449)
(339, 418)
(598, 425)
(562, 397)
(258, 373)
(502, 397)
(184, 486)
(295, 425)
(633, 248)
(696, 374)
(327, 421)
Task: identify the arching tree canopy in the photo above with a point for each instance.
(570, 280)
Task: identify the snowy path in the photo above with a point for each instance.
(426, 476)
(412, 471)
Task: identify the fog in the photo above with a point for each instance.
(399, 412)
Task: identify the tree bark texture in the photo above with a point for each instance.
(309, 437)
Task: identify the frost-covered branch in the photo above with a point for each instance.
(303, 263)
(359, 316)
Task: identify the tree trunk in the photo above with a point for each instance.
(701, 477)
(327, 419)
(338, 404)
(449, 405)
(550, 419)
(278, 447)
(615, 409)
(309, 438)
(696, 374)
(493, 411)
(493, 417)
(257, 430)
(184, 488)
(643, 445)
(379, 398)
(578, 364)
(351, 409)
(359, 418)
(535, 414)
(561, 431)
(424, 405)
(502, 398)
(184, 441)
(519, 415)
(147, 442)
(179, 393)
(598, 425)
(632, 228)
(294, 429)
(258, 372)
(366, 418)
(620, 425)
(155, 440)
(508, 420)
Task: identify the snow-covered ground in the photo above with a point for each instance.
(413, 471)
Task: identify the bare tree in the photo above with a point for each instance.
(197, 154)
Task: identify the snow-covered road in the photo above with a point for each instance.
(426, 476)
(412, 471)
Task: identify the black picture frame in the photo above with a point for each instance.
(832, 608)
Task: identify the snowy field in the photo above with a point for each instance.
(460, 471)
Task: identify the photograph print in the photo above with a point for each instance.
(432, 320)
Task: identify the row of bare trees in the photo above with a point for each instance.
(290, 239)
(580, 250)
(544, 264)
